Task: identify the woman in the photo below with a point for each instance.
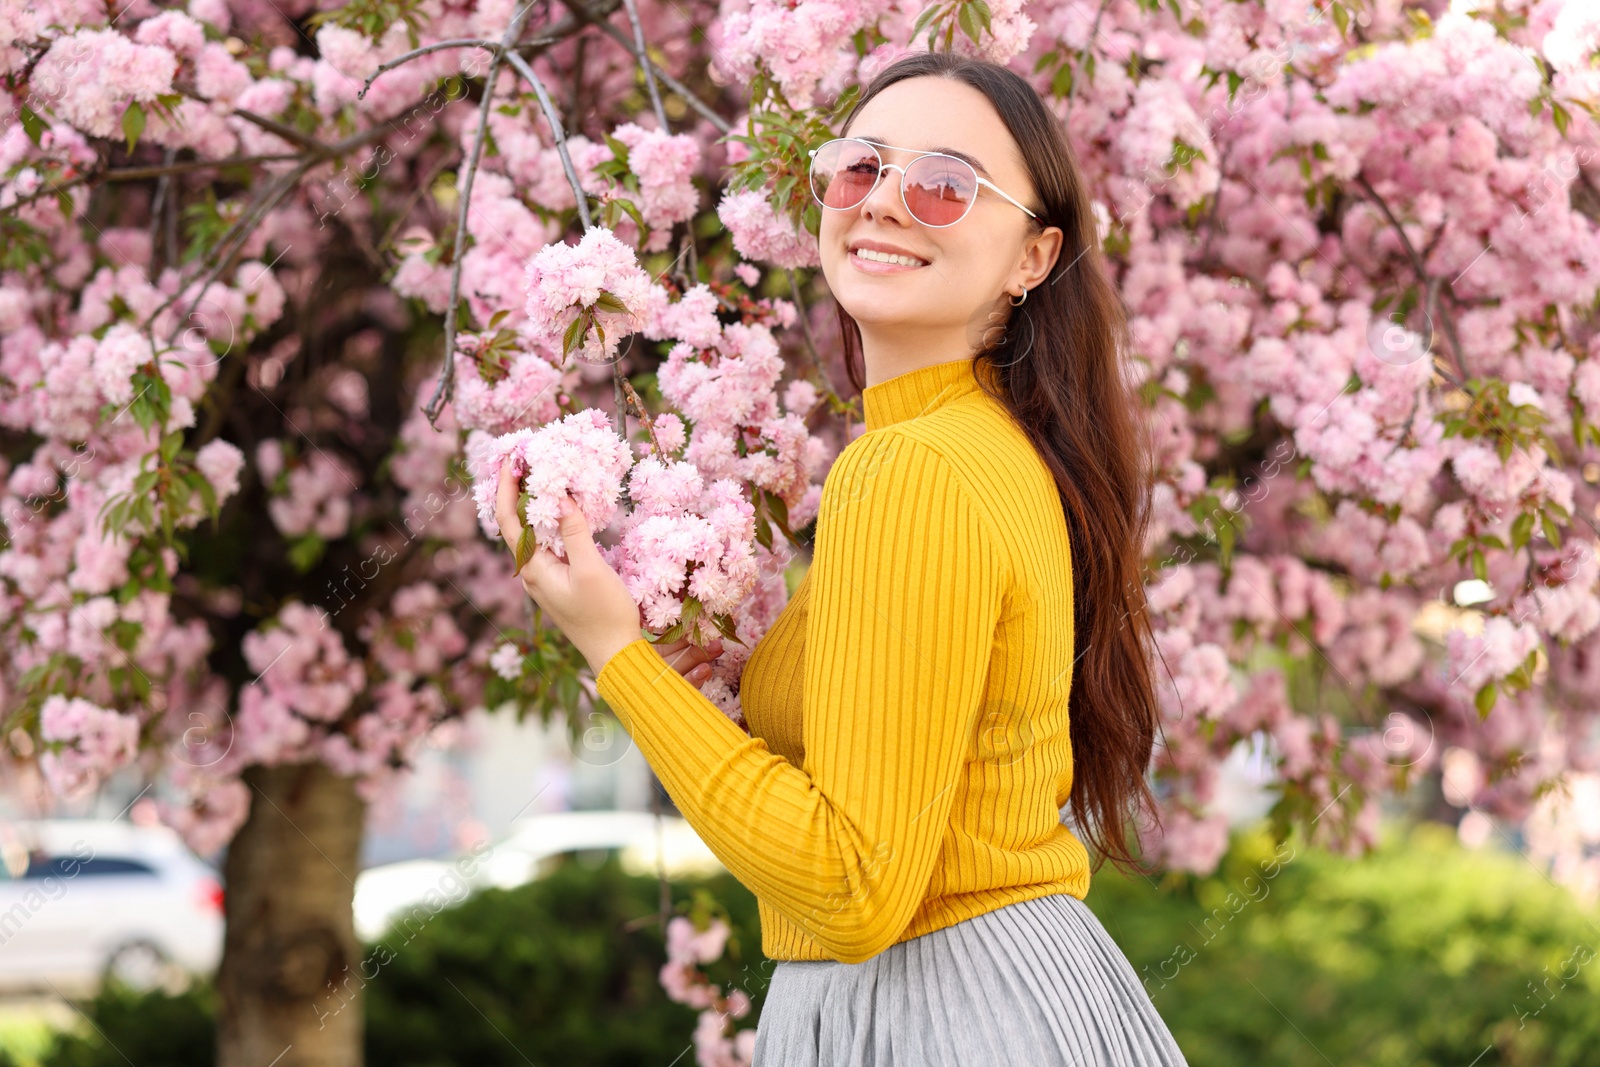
(896, 808)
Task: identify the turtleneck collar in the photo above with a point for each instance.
(925, 390)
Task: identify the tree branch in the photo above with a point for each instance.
(273, 126)
(442, 391)
(557, 132)
(596, 18)
(1431, 286)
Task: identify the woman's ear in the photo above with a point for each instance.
(1039, 256)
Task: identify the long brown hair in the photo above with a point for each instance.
(1061, 362)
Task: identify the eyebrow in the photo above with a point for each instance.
(976, 165)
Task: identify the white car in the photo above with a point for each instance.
(81, 898)
(415, 890)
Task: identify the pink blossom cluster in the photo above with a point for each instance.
(302, 668)
(565, 281)
(210, 812)
(221, 463)
(310, 495)
(685, 983)
(93, 75)
(93, 742)
(416, 636)
(61, 387)
(578, 455)
(684, 538)
(438, 503)
(1186, 841)
(1474, 660)
(1564, 604)
(729, 393)
(298, 707)
(759, 234)
(1563, 832)
(526, 391)
(665, 165)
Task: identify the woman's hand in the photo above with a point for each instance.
(582, 595)
(691, 661)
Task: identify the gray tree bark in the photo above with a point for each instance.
(290, 980)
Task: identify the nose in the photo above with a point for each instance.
(883, 203)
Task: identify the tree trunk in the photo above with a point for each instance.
(290, 981)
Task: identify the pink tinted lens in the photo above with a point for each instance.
(939, 189)
(843, 173)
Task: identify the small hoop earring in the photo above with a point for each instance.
(1024, 300)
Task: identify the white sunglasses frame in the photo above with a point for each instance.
(883, 166)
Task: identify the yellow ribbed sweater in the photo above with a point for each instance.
(908, 756)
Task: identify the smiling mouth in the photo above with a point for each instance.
(888, 257)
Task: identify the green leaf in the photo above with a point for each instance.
(1225, 541)
(727, 627)
(780, 510)
(133, 123)
(1521, 530)
(924, 20)
(208, 495)
(574, 335)
(304, 552)
(33, 125)
(1552, 533)
(618, 150)
(526, 546)
(1562, 117)
(1484, 700)
(763, 532)
(1480, 566)
(1061, 84)
(969, 22)
(608, 302)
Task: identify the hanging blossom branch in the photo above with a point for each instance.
(236, 239)
(441, 392)
(1431, 286)
(597, 20)
(508, 50)
(237, 234)
(557, 132)
(644, 65)
(136, 174)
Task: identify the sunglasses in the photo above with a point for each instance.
(937, 189)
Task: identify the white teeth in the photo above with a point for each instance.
(884, 257)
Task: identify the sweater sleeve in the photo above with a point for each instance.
(907, 586)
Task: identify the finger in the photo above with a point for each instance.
(505, 506)
(575, 533)
(682, 659)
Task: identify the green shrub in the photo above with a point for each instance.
(562, 970)
(551, 972)
(1421, 955)
(152, 1029)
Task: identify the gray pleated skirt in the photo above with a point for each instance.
(1039, 982)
